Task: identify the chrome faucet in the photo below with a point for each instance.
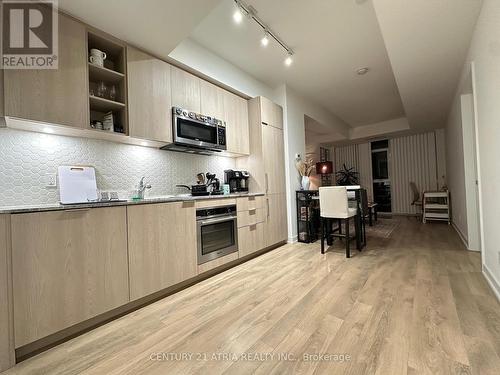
(142, 188)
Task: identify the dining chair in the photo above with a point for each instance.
(417, 198)
(333, 204)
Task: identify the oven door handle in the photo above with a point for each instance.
(218, 220)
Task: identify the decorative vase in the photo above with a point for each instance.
(305, 183)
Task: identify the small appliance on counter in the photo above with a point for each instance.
(237, 180)
(207, 184)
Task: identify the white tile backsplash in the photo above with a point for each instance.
(26, 158)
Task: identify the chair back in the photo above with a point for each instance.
(416, 193)
(333, 201)
(364, 202)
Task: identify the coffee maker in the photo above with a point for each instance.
(237, 180)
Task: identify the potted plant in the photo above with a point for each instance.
(347, 176)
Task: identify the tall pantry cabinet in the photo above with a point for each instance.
(266, 165)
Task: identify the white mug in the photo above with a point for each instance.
(97, 57)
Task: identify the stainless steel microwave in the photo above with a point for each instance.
(196, 133)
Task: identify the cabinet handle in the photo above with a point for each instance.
(267, 200)
(265, 123)
(267, 183)
(77, 210)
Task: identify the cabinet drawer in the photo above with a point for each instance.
(215, 202)
(250, 217)
(250, 239)
(249, 203)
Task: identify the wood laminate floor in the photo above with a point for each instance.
(413, 303)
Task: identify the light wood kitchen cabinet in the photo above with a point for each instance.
(1, 94)
(149, 101)
(251, 202)
(271, 113)
(275, 229)
(186, 90)
(162, 246)
(250, 217)
(7, 355)
(266, 164)
(273, 153)
(57, 96)
(251, 239)
(68, 266)
(212, 100)
(236, 117)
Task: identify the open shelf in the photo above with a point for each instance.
(104, 105)
(97, 73)
(112, 77)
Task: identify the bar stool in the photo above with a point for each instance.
(333, 204)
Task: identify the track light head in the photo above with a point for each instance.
(237, 16)
(265, 40)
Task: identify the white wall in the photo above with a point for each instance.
(295, 109)
(455, 168)
(485, 52)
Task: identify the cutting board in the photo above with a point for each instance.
(77, 184)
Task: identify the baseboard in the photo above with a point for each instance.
(461, 235)
(492, 281)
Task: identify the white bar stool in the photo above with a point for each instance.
(333, 204)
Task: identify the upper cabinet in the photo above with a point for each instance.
(236, 117)
(186, 91)
(271, 113)
(212, 100)
(56, 96)
(149, 97)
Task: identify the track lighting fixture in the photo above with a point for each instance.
(250, 12)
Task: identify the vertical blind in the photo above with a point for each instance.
(411, 159)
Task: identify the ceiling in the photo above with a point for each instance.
(331, 39)
(427, 43)
(157, 26)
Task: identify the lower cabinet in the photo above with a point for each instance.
(275, 230)
(162, 246)
(68, 266)
(251, 239)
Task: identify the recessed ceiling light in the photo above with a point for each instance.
(289, 60)
(237, 16)
(362, 71)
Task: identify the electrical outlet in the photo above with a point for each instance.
(51, 180)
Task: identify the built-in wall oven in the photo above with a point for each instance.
(217, 230)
